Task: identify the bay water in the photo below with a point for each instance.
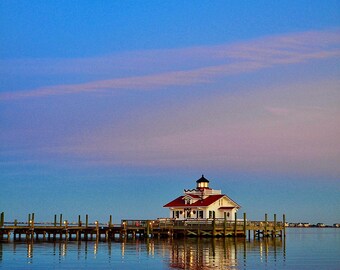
(303, 248)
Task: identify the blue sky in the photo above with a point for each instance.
(114, 107)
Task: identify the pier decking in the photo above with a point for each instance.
(139, 228)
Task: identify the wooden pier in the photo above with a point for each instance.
(163, 227)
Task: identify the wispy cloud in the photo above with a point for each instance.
(288, 128)
(208, 64)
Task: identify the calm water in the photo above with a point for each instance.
(302, 249)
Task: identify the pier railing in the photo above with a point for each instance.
(194, 223)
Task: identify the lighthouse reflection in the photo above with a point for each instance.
(226, 253)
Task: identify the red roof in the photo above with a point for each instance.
(226, 207)
(206, 202)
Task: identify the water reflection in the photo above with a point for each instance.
(186, 253)
(202, 253)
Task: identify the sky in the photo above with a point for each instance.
(115, 107)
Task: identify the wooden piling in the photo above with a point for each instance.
(32, 219)
(110, 221)
(66, 229)
(97, 230)
(55, 220)
(284, 225)
(214, 225)
(225, 224)
(2, 219)
(265, 224)
(79, 221)
(87, 221)
(245, 224)
(147, 228)
(275, 224)
(61, 223)
(235, 225)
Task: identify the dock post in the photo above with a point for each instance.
(235, 225)
(2, 219)
(61, 223)
(265, 224)
(55, 225)
(284, 225)
(110, 222)
(245, 224)
(29, 219)
(97, 231)
(147, 228)
(14, 232)
(214, 225)
(274, 225)
(66, 229)
(86, 225)
(225, 224)
(32, 219)
(78, 232)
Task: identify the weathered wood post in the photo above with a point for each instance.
(265, 224)
(66, 229)
(235, 225)
(87, 221)
(55, 225)
(32, 227)
(284, 225)
(79, 221)
(110, 221)
(213, 225)
(97, 230)
(2, 219)
(274, 225)
(225, 224)
(147, 228)
(14, 232)
(32, 220)
(28, 233)
(109, 230)
(245, 224)
(61, 224)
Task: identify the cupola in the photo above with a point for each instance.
(202, 182)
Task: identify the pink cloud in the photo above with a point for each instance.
(211, 64)
(289, 127)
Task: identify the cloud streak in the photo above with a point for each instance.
(283, 128)
(209, 64)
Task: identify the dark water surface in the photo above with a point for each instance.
(309, 248)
